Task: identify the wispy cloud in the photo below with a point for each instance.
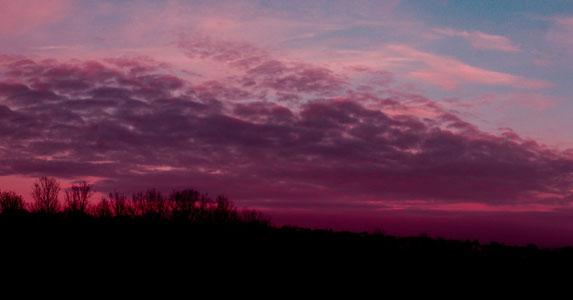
(561, 33)
(449, 73)
(480, 40)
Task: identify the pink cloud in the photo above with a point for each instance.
(407, 62)
(506, 101)
(256, 70)
(449, 73)
(480, 40)
(17, 17)
(561, 34)
(533, 101)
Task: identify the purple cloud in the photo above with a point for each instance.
(136, 123)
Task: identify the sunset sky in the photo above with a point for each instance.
(451, 118)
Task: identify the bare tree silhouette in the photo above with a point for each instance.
(150, 204)
(103, 209)
(77, 198)
(184, 204)
(119, 205)
(255, 217)
(225, 211)
(45, 193)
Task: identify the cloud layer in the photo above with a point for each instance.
(273, 133)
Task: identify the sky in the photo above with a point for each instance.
(449, 118)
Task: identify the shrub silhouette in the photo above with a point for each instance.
(45, 193)
(11, 203)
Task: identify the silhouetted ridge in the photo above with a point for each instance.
(187, 225)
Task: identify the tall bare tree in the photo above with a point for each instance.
(184, 203)
(103, 209)
(119, 205)
(77, 198)
(45, 193)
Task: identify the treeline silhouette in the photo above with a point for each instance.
(184, 206)
(185, 225)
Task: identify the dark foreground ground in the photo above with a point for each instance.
(128, 241)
